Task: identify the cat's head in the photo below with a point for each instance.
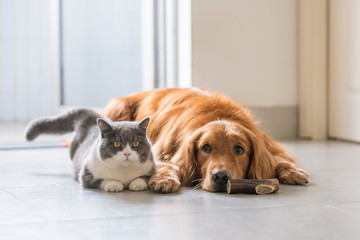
(124, 142)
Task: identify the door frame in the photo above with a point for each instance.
(313, 74)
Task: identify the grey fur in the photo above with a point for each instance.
(88, 179)
(80, 120)
(125, 133)
(152, 170)
(94, 131)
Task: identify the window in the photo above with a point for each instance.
(100, 50)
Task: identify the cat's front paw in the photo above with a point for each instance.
(112, 186)
(138, 184)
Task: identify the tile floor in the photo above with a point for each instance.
(39, 200)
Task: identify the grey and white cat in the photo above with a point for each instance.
(106, 155)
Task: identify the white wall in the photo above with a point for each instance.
(344, 71)
(246, 49)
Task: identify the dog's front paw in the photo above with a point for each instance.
(293, 175)
(165, 179)
(164, 183)
(138, 184)
(112, 186)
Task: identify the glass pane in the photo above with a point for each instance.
(101, 50)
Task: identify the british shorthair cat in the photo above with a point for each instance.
(106, 155)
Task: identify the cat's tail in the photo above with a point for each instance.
(61, 124)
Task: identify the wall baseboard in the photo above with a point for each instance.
(278, 122)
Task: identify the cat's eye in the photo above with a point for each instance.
(117, 144)
(206, 148)
(136, 144)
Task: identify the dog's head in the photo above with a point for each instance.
(222, 150)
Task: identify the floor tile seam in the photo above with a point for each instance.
(352, 202)
(57, 220)
(290, 206)
(28, 186)
(284, 206)
(54, 219)
(18, 223)
(26, 148)
(17, 198)
(31, 206)
(68, 226)
(338, 208)
(333, 170)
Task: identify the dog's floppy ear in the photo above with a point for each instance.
(185, 158)
(262, 162)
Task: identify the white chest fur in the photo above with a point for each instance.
(113, 169)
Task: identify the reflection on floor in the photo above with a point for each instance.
(39, 200)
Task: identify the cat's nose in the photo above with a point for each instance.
(127, 154)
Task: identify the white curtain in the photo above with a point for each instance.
(27, 84)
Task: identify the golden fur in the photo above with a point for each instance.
(183, 120)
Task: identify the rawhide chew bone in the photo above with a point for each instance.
(256, 186)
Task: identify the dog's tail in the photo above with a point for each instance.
(61, 124)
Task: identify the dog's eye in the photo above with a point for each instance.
(206, 148)
(238, 150)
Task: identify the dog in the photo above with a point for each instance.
(202, 137)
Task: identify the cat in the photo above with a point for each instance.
(106, 155)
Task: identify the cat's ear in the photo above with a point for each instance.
(103, 125)
(143, 124)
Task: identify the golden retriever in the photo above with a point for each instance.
(200, 136)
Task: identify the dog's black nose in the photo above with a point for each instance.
(220, 178)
